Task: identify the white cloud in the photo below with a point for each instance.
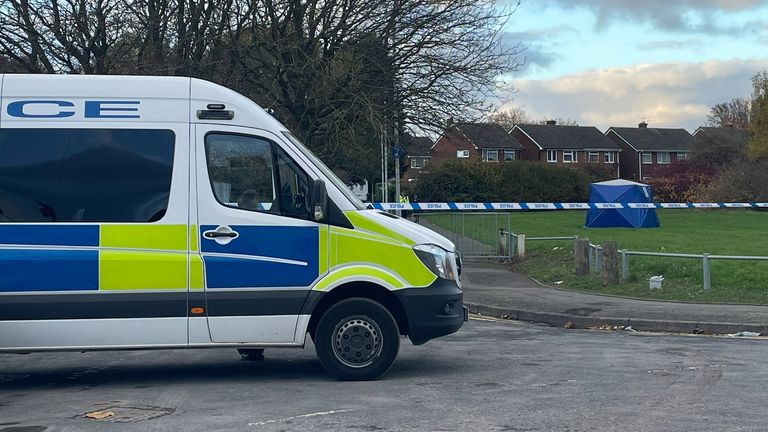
(665, 94)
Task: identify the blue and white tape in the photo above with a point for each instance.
(454, 206)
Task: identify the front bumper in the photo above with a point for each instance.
(433, 311)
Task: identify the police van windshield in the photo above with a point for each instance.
(327, 172)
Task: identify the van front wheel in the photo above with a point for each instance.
(357, 339)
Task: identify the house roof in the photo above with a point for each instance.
(726, 136)
(655, 139)
(417, 146)
(488, 135)
(558, 137)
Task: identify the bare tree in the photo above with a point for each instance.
(509, 118)
(77, 36)
(341, 73)
(735, 113)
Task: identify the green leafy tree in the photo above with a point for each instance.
(758, 145)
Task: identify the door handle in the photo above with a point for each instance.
(221, 235)
(216, 234)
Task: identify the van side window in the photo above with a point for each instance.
(253, 174)
(85, 175)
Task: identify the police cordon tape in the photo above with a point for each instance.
(557, 206)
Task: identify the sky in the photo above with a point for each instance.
(618, 62)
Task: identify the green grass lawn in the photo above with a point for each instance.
(718, 232)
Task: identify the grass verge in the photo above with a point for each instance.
(729, 232)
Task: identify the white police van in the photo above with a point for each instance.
(168, 212)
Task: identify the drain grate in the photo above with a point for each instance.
(130, 414)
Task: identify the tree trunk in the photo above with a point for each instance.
(581, 254)
(610, 264)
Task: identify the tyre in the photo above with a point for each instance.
(357, 339)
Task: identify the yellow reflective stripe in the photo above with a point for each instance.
(359, 220)
(358, 273)
(128, 270)
(322, 252)
(193, 238)
(195, 272)
(144, 236)
(398, 259)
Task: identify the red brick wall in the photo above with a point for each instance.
(531, 150)
(631, 166)
(452, 141)
(447, 145)
(658, 170)
(628, 158)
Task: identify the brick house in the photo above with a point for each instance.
(648, 152)
(488, 142)
(417, 156)
(566, 145)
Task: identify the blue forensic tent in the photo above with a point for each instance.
(621, 191)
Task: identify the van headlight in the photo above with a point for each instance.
(441, 262)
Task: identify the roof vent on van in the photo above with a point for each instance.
(215, 112)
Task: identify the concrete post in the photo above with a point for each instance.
(610, 263)
(624, 264)
(521, 246)
(705, 265)
(502, 243)
(581, 255)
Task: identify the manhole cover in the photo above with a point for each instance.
(129, 414)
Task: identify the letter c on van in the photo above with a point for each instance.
(16, 109)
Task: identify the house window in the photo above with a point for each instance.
(509, 155)
(662, 157)
(593, 157)
(462, 154)
(551, 155)
(418, 162)
(569, 156)
(609, 157)
(681, 156)
(491, 155)
(647, 158)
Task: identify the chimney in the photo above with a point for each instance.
(643, 125)
(551, 122)
(450, 122)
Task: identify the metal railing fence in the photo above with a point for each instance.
(488, 235)
(704, 257)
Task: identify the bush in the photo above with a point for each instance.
(684, 182)
(475, 181)
(741, 182)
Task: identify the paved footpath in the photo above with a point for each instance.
(493, 289)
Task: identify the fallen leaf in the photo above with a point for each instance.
(98, 415)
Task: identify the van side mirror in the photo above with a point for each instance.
(318, 201)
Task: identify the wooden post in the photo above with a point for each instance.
(610, 264)
(581, 254)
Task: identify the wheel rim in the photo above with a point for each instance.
(357, 341)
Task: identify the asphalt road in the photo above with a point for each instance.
(490, 376)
